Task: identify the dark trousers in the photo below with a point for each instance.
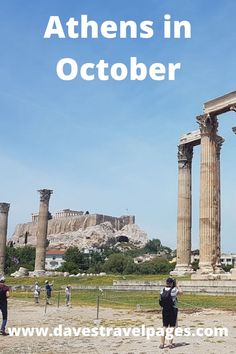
(3, 308)
(169, 316)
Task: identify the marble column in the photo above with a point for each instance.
(4, 209)
(209, 195)
(184, 217)
(233, 271)
(218, 267)
(42, 229)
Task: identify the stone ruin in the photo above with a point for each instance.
(65, 222)
(66, 228)
(210, 193)
(4, 209)
(210, 206)
(81, 229)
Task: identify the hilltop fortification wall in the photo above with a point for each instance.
(26, 233)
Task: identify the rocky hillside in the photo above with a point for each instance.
(96, 236)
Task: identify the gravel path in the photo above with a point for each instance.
(25, 314)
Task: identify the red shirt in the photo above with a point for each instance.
(3, 290)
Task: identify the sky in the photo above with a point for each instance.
(110, 147)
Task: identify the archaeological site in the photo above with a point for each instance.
(89, 231)
(210, 197)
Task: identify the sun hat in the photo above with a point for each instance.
(2, 278)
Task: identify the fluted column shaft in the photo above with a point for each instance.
(220, 141)
(184, 218)
(184, 213)
(209, 194)
(4, 209)
(42, 229)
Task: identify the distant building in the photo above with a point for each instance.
(228, 259)
(64, 213)
(54, 259)
(225, 259)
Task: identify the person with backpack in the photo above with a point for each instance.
(168, 302)
(4, 294)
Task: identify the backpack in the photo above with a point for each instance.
(166, 299)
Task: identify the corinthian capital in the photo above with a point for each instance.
(208, 125)
(45, 195)
(185, 154)
(219, 143)
(4, 208)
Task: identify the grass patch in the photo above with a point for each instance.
(87, 281)
(224, 302)
(147, 300)
(135, 300)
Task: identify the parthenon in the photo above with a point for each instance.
(210, 200)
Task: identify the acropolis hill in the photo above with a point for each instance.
(76, 228)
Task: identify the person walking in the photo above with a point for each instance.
(48, 288)
(68, 295)
(168, 302)
(36, 292)
(4, 294)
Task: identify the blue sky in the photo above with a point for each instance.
(109, 147)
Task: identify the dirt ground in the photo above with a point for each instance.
(25, 314)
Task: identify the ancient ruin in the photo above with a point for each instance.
(184, 223)
(90, 231)
(42, 227)
(81, 229)
(68, 221)
(210, 209)
(4, 209)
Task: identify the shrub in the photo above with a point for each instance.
(19, 257)
(117, 263)
(156, 266)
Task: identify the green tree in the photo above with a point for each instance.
(117, 263)
(146, 268)
(131, 268)
(156, 266)
(19, 257)
(195, 264)
(153, 246)
(75, 261)
(227, 267)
